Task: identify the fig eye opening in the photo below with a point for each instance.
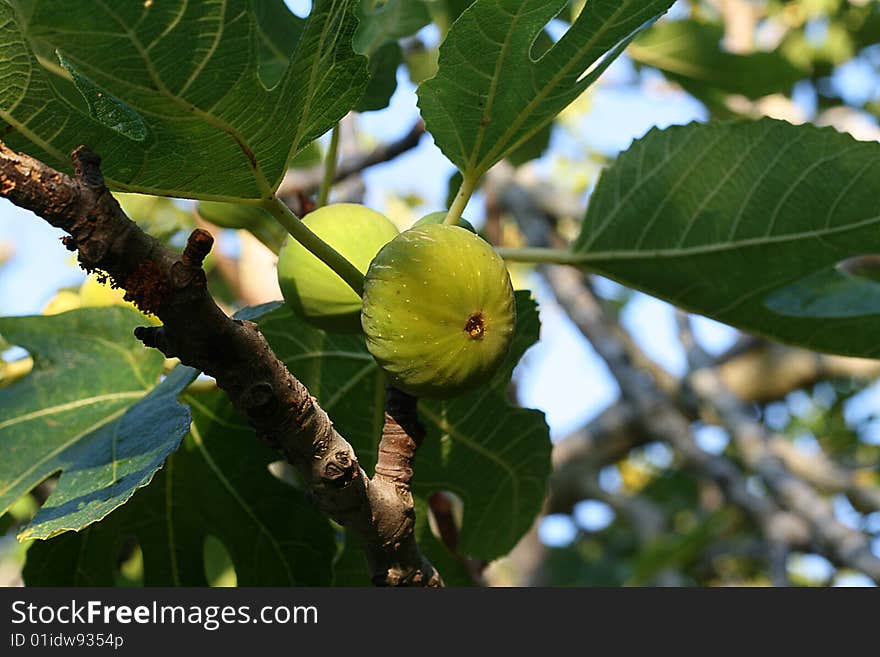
(475, 326)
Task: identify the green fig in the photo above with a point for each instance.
(231, 215)
(241, 216)
(313, 290)
(440, 217)
(438, 311)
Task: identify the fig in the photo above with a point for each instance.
(313, 290)
(245, 217)
(92, 293)
(438, 311)
(440, 217)
(97, 293)
(233, 215)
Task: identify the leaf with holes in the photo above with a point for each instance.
(107, 428)
(216, 485)
(766, 226)
(163, 87)
(491, 95)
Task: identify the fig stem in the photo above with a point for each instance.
(323, 251)
(468, 185)
(329, 169)
(540, 255)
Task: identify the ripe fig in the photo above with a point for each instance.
(438, 311)
(440, 217)
(313, 290)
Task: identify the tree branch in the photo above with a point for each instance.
(235, 353)
(402, 435)
(782, 528)
(754, 442)
(309, 181)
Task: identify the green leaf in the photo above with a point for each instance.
(755, 224)
(421, 62)
(105, 108)
(495, 457)
(383, 78)
(102, 471)
(158, 216)
(533, 148)
(278, 31)
(381, 24)
(689, 52)
(191, 72)
(444, 12)
(217, 484)
(350, 567)
(244, 216)
(491, 94)
(386, 21)
(84, 410)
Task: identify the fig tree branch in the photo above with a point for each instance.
(660, 417)
(173, 287)
(753, 441)
(309, 181)
(794, 504)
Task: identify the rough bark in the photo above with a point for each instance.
(174, 288)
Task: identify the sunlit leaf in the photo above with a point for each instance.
(492, 92)
(752, 223)
(216, 485)
(91, 410)
(175, 86)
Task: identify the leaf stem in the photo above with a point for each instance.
(329, 168)
(323, 251)
(468, 185)
(539, 255)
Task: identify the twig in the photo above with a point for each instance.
(402, 435)
(174, 288)
(657, 413)
(309, 182)
(754, 443)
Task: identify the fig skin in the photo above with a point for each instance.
(313, 290)
(440, 217)
(233, 215)
(438, 311)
